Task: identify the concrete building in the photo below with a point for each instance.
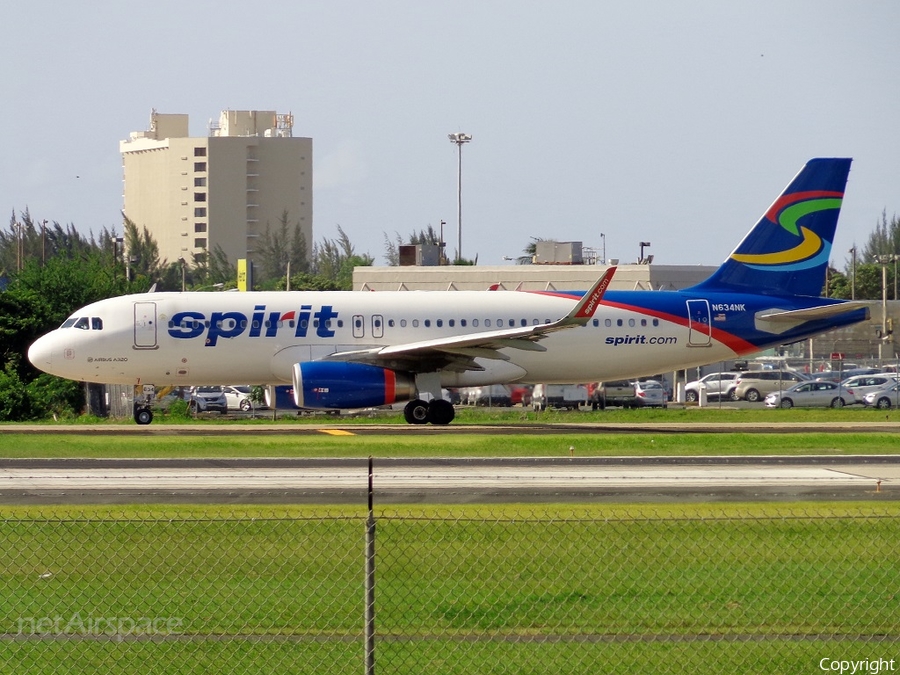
(196, 193)
(527, 277)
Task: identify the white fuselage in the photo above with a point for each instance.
(223, 338)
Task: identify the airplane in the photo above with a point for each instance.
(358, 349)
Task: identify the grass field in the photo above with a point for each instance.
(740, 588)
(445, 445)
(535, 589)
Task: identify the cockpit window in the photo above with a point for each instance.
(83, 323)
(96, 323)
(68, 323)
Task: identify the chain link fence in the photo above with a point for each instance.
(510, 589)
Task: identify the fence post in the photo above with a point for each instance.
(370, 581)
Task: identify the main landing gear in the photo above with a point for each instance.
(436, 411)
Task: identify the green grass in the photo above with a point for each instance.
(738, 588)
(313, 444)
(675, 413)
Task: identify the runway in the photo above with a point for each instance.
(333, 481)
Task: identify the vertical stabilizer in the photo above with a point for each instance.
(787, 252)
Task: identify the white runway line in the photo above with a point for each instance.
(432, 478)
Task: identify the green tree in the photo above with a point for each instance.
(143, 254)
(333, 257)
(282, 248)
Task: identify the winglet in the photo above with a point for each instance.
(588, 304)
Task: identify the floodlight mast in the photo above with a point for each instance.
(459, 138)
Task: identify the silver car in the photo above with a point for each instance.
(208, 399)
(649, 394)
(885, 398)
(808, 394)
(720, 385)
(861, 385)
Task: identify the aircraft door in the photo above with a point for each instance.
(359, 326)
(699, 323)
(145, 325)
(377, 326)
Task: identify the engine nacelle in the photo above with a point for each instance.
(331, 385)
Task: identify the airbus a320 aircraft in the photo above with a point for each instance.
(358, 349)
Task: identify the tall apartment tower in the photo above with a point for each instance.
(194, 194)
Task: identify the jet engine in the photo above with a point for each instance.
(330, 385)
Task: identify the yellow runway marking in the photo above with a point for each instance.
(337, 432)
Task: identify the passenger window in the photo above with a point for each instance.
(619, 322)
(439, 323)
(427, 323)
(474, 323)
(487, 323)
(415, 323)
(607, 323)
(631, 323)
(402, 323)
(462, 322)
(451, 323)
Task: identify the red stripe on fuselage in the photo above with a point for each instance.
(737, 344)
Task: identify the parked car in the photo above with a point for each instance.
(857, 387)
(808, 394)
(494, 395)
(237, 396)
(649, 394)
(718, 385)
(614, 392)
(569, 396)
(753, 385)
(841, 375)
(885, 398)
(208, 399)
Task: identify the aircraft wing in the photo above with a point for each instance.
(459, 352)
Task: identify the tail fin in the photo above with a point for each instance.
(787, 252)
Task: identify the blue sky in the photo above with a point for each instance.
(674, 123)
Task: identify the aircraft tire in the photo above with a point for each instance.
(416, 412)
(441, 412)
(143, 415)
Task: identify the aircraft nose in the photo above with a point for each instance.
(41, 353)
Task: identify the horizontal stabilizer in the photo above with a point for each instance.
(813, 313)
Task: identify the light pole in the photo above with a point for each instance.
(643, 244)
(883, 260)
(603, 241)
(459, 138)
(853, 273)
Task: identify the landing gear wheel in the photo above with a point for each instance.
(441, 411)
(143, 415)
(416, 412)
